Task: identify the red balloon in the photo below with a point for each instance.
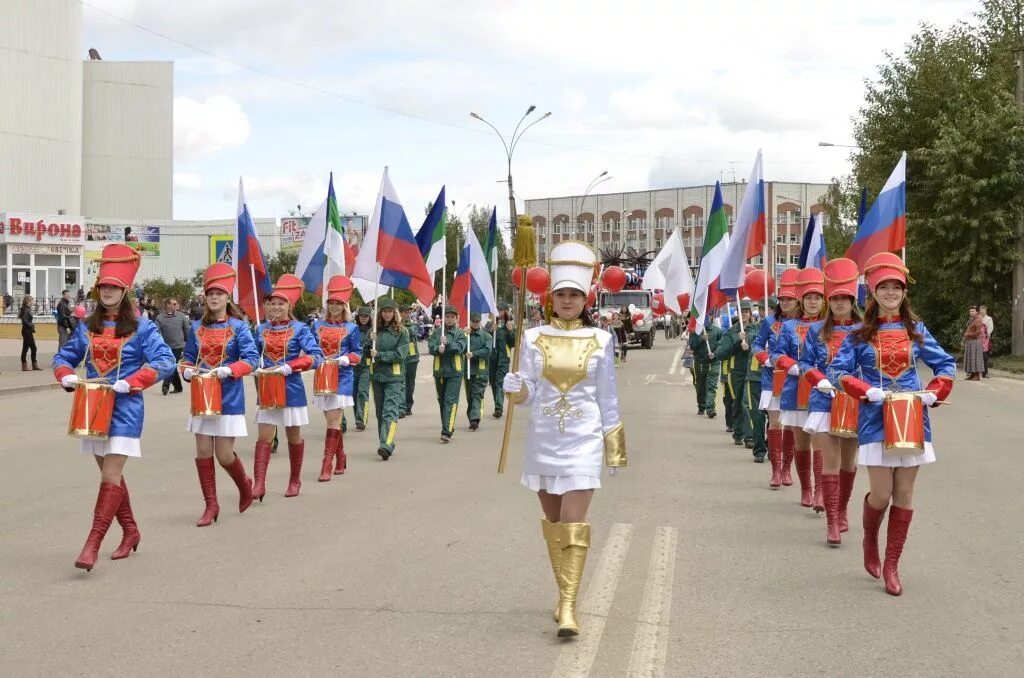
(747, 268)
(613, 279)
(517, 277)
(753, 284)
(684, 302)
(658, 303)
(637, 317)
(537, 280)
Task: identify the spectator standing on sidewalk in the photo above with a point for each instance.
(28, 331)
(987, 321)
(174, 327)
(974, 361)
(63, 317)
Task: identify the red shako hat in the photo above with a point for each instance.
(810, 281)
(885, 266)
(221, 277)
(289, 288)
(841, 278)
(787, 284)
(339, 288)
(118, 266)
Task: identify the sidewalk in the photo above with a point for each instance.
(13, 380)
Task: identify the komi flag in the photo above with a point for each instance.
(472, 289)
(749, 234)
(707, 295)
(884, 228)
(812, 251)
(252, 276)
(432, 236)
(670, 272)
(325, 252)
(491, 249)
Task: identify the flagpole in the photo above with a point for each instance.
(469, 327)
(255, 298)
(376, 310)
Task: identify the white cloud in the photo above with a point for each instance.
(202, 128)
(187, 182)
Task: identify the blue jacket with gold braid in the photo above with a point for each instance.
(763, 345)
(228, 344)
(284, 342)
(889, 362)
(786, 354)
(815, 357)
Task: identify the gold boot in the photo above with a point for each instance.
(574, 540)
(550, 531)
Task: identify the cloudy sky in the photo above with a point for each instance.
(659, 94)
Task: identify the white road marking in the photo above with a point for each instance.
(649, 378)
(577, 656)
(675, 360)
(650, 644)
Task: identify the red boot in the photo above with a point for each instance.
(803, 472)
(259, 470)
(243, 482)
(328, 462)
(295, 451)
(107, 502)
(872, 521)
(819, 502)
(131, 537)
(899, 525)
(846, 481)
(830, 490)
(788, 443)
(775, 456)
(208, 484)
(341, 461)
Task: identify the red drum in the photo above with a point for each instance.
(325, 379)
(843, 419)
(903, 417)
(206, 395)
(91, 411)
(803, 393)
(778, 381)
(271, 390)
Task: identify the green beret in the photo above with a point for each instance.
(504, 306)
(474, 317)
(773, 302)
(364, 310)
(451, 309)
(745, 305)
(407, 307)
(388, 303)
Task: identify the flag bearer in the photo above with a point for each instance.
(734, 351)
(448, 344)
(364, 323)
(412, 361)
(501, 357)
(387, 374)
(705, 370)
(477, 367)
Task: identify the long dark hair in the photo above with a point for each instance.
(232, 312)
(396, 321)
(869, 330)
(830, 321)
(126, 323)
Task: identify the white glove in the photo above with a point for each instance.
(512, 383)
(929, 399)
(121, 386)
(794, 371)
(344, 361)
(875, 395)
(69, 381)
(826, 386)
(223, 372)
(285, 369)
(188, 373)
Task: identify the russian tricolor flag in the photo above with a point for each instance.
(749, 233)
(472, 289)
(812, 252)
(885, 225)
(252, 276)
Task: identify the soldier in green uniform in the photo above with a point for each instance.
(706, 370)
(727, 394)
(387, 374)
(478, 360)
(361, 372)
(412, 361)
(448, 345)
(752, 399)
(734, 351)
(501, 356)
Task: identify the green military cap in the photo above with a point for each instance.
(451, 309)
(773, 302)
(745, 305)
(474, 317)
(407, 307)
(388, 303)
(364, 310)
(504, 306)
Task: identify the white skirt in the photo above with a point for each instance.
(768, 402)
(871, 455)
(286, 416)
(129, 447)
(332, 402)
(559, 484)
(794, 418)
(818, 422)
(224, 426)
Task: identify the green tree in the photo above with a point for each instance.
(948, 101)
(179, 288)
(840, 206)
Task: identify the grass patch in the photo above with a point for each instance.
(1008, 363)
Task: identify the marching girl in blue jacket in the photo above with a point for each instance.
(884, 351)
(339, 341)
(811, 288)
(127, 352)
(221, 342)
(839, 468)
(281, 341)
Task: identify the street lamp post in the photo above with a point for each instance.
(829, 144)
(510, 149)
(599, 179)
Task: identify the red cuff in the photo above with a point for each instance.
(854, 386)
(762, 357)
(814, 376)
(143, 379)
(61, 372)
(301, 364)
(940, 386)
(784, 362)
(353, 359)
(240, 368)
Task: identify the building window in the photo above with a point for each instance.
(794, 239)
(780, 259)
(794, 259)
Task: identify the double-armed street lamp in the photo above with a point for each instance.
(599, 179)
(510, 149)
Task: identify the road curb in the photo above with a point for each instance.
(1006, 375)
(18, 390)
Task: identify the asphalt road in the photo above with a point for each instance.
(433, 565)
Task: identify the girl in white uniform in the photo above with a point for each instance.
(567, 377)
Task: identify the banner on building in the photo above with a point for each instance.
(293, 232)
(220, 249)
(145, 240)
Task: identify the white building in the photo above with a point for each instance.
(643, 220)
